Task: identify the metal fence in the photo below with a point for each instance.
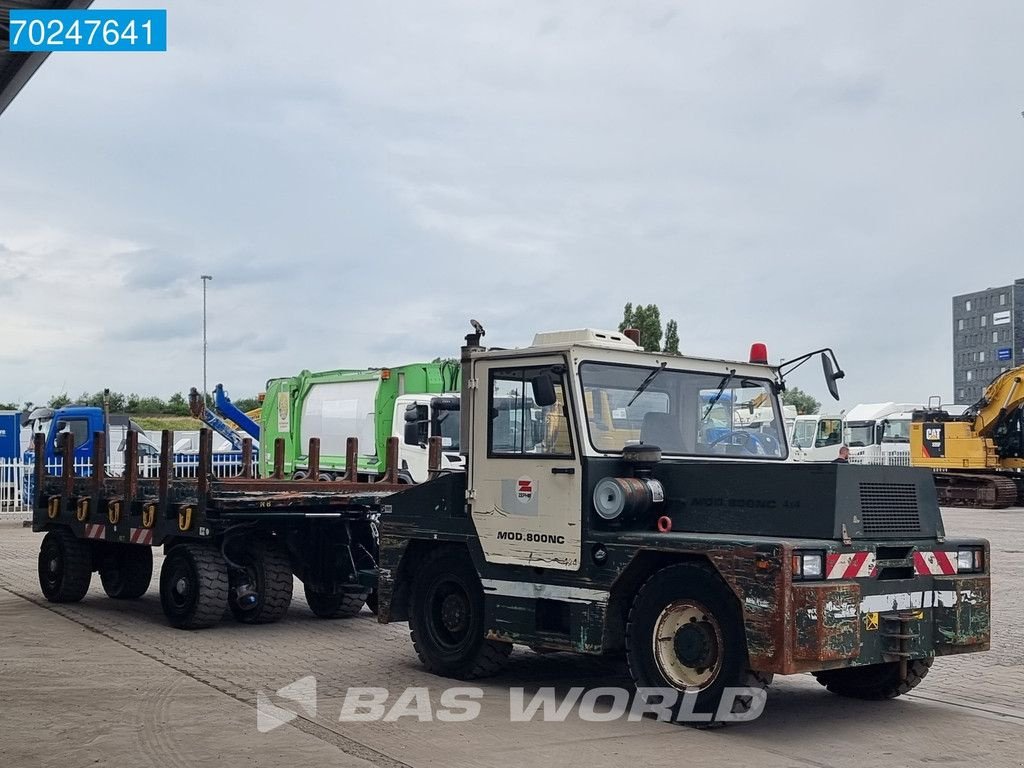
(17, 476)
(901, 459)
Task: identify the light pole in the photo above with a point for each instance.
(205, 279)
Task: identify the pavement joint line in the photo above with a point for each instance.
(306, 725)
(1011, 716)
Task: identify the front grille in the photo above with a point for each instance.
(889, 508)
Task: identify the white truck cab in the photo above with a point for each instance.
(816, 437)
(879, 433)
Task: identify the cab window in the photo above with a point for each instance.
(520, 428)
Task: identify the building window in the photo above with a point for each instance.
(995, 336)
(981, 357)
(970, 375)
(1002, 299)
(968, 305)
(960, 324)
(984, 320)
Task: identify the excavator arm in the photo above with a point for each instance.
(1001, 398)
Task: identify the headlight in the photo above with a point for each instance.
(970, 560)
(808, 565)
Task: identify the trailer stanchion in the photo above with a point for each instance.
(351, 460)
(433, 456)
(246, 457)
(279, 458)
(314, 459)
(68, 464)
(39, 469)
(166, 468)
(131, 468)
(391, 463)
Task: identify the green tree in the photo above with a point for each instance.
(647, 320)
(59, 401)
(177, 405)
(245, 404)
(805, 404)
(672, 337)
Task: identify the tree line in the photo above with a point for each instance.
(140, 405)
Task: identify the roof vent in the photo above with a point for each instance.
(584, 336)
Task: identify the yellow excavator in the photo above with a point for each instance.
(979, 455)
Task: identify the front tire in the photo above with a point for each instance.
(127, 572)
(875, 682)
(685, 632)
(65, 566)
(447, 619)
(193, 586)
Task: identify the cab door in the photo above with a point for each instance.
(525, 472)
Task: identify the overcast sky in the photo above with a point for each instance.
(362, 178)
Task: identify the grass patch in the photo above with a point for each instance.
(157, 423)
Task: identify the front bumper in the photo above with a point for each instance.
(850, 623)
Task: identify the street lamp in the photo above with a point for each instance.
(205, 279)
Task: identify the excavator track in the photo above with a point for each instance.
(976, 489)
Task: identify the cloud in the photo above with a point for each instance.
(798, 174)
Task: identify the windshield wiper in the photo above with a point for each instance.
(718, 395)
(646, 383)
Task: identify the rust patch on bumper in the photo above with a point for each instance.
(962, 614)
(826, 624)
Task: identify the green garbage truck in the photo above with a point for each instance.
(412, 402)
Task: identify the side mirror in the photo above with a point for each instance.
(544, 389)
(411, 414)
(830, 375)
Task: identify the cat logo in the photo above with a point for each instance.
(933, 433)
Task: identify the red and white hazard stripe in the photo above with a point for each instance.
(95, 531)
(936, 563)
(141, 536)
(849, 565)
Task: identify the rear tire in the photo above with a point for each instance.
(65, 566)
(447, 619)
(685, 632)
(193, 586)
(270, 573)
(333, 605)
(875, 682)
(127, 572)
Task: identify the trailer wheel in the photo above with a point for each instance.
(127, 572)
(685, 632)
(446, 620)
(65, 566)
(193, 586)
(270, 574)
(875, 682)
(333, 605)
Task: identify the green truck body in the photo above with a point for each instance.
(337, 404)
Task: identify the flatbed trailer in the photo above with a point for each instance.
(231, 543)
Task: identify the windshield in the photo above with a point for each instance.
(857, 434)
(682, 412)
(897, 431)
(803, 433)
(448, 424)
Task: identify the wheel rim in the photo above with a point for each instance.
(51, 565)
(180, 588)
(687, 643)
(450, 616)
